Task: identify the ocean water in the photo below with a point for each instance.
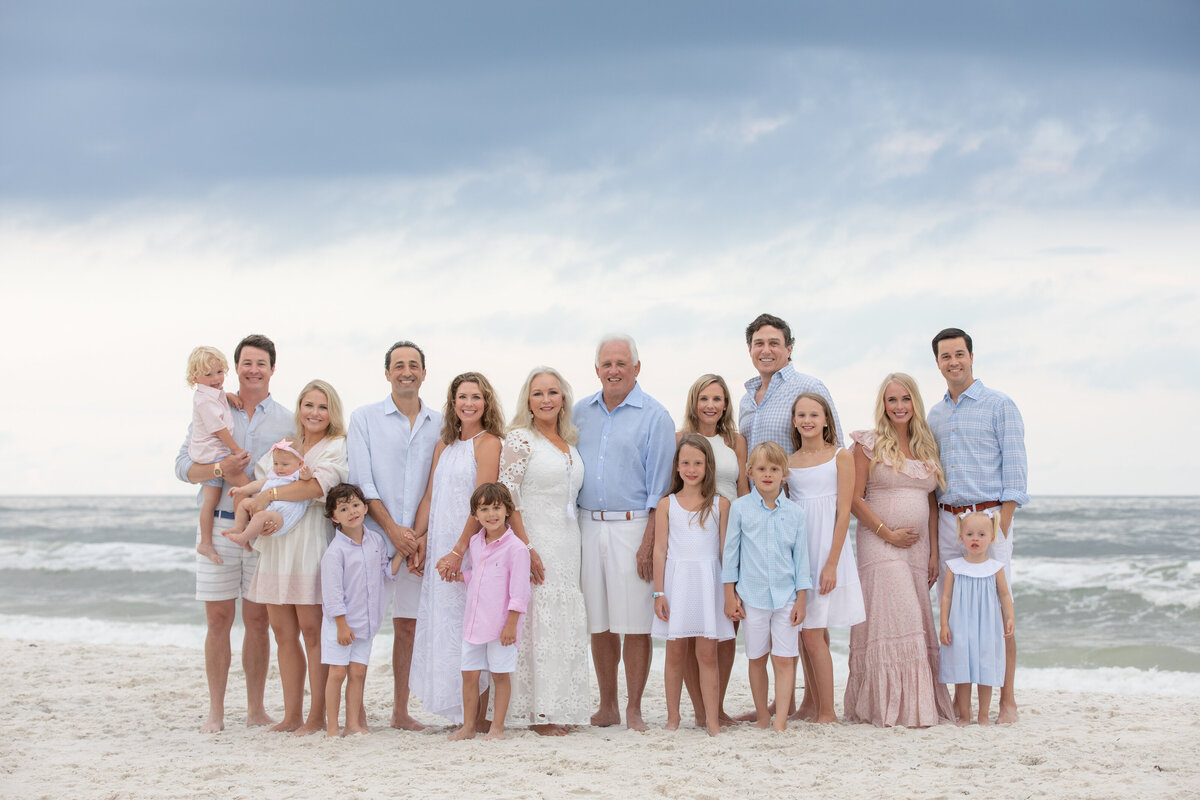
(1107, 589)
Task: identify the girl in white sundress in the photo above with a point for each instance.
(688, 594)
(467, 456)
(821, 481)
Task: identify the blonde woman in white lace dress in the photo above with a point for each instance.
(542, 469)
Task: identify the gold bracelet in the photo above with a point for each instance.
(275, 493)
(456, 553)
(877, 530)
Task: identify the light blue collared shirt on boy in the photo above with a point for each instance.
(390, 459)
(766, 551)
(626, 452)
(981, 440)
(270, 423)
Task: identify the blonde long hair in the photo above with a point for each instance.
(337, 420)
(523, 418)
(920, 437)
(726, 427)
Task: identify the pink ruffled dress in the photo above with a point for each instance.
(894, 655)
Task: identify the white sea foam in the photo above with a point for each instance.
(96, 556)
(1158, 581)
(102, 631)
(1112, 680)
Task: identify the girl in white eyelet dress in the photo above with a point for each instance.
(689, 596)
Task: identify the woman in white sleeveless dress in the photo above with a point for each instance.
(709, 413)
(467, 456)
(542, 469)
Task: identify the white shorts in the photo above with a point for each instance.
(406, 593)
(339, 655)
(227, 581)
(770, 631)
(950, 546)
(617, 600)
(492, 656)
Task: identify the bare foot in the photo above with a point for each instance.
(826, 719)
(713, 730)
(462, 734)
(749, 716)
(332, 733)
(484, 725)
(672, 724)
(983, 719)
(213, 725)
(237, 537)
(406, 723)
(806, 712)
(725, 720)
(497, 732)
(256, 719)
(207, 550)
(962, 722)
(286, 726)
(633, 719)
(762, 722)
(1008, 714)
(307, 729)
(605, 717)
(355, 730)
(779, 727)
(549, 730)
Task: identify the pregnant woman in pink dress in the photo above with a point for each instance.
(894, 654)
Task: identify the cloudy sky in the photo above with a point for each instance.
(504, 182)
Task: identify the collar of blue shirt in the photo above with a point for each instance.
(635, 398)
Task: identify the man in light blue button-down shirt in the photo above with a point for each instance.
(981, 441)
(390, 447)
(626, 443)
(257, 425)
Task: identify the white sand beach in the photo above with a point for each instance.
(117, 721)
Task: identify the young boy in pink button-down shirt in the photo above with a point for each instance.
(497, 597)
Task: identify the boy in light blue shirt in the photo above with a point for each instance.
(765, 572)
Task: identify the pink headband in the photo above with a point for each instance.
(286, 445)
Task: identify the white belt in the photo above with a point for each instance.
(614, 516)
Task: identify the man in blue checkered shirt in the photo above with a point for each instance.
(981, 440)
(765, 413)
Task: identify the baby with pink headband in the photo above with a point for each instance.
(289, 467)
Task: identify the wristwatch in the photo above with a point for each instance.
(217, 470)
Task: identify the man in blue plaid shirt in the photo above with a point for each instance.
(981, 440)
(765, 413)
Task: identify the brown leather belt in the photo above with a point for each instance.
(956, 510)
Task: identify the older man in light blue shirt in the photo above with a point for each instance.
(981, 440)
(627, 443)
(257, 425)
(390, 447)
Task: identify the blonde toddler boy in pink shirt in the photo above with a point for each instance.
(497, 597)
